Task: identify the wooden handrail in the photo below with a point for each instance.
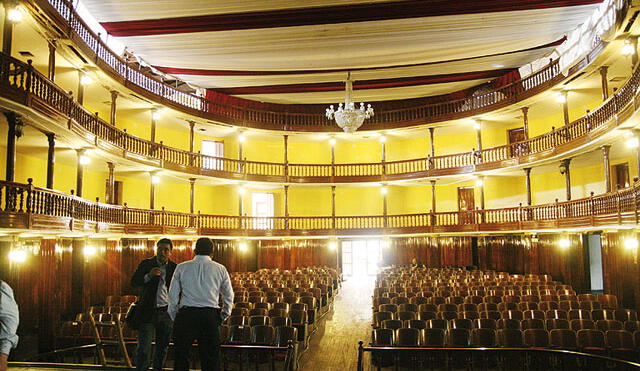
(618, 207)
(66, 18)
(19, 81)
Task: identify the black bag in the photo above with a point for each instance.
(133, 318)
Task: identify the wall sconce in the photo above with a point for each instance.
(241, 138)
(383, 138)
(384, 190)
(479, 182)
(242, 245)
(631, 244)
(14, 14)
(85, 79)
(89, 251)
(562, 167)
(564, 243)
(18, 256)
(156, 113)
(155, 179)
(84, 160)
(332, 142)
(562, 97)
(627, 48)
(333, 245)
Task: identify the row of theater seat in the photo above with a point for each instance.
(461, 308)
(616, 343)
(577, 314)
(485, 307)
(532, 323)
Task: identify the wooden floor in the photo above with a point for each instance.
(335, 345)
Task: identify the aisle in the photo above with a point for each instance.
(335, 344)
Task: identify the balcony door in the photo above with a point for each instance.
(213, 151)
(516, 136)
(263, 209)
(466, 204)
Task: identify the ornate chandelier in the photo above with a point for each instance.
(348, 117)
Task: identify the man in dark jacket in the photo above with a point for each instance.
(154, 276)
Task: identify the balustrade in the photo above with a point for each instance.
(18, 78)
(63, 13)
(25, 199)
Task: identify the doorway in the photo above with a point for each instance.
(466, 204)
(516, 138)
(361, 258)
(594, 245)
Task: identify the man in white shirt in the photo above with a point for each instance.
(9, 318)
(194, 293)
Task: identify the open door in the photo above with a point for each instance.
(466, 204)
(516, 137)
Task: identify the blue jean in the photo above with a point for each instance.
(161, 325)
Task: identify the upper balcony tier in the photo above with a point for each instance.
(68, 22)
(21, 83)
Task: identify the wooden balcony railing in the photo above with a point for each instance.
(23, 206)
(65, 17)
(22, 83)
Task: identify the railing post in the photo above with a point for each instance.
(592, 209)
(124, 214)
(97, 211)
(618, 206)
(29, 79)
(29, 205)
(163, 218)
(360, 356)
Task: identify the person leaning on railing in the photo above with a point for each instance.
(9, 318)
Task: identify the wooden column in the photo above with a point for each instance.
(567, 176)
(192, 125)
(383, 154)
(7, 30)
(384, 191)
(14, 132)
(604, 81)
(154, 113)
(527, 174)
(111, 184)
(80, 172)
(433, 196)
(114, 99)
(152, 191)
(51, 158)
(478, 126)
(51, 66)
(80, 88)
(286, 155)
(432, 146)
(241, 200)
(481, 192)
(525, 121)
(192, 195)
(607, 167)
(286, 206)
(333, 207)
(332, 142)
(565, 106)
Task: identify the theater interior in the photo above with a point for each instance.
(478, 210)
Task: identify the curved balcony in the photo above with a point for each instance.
(23, 206)
(20, 83)
(66, 18)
